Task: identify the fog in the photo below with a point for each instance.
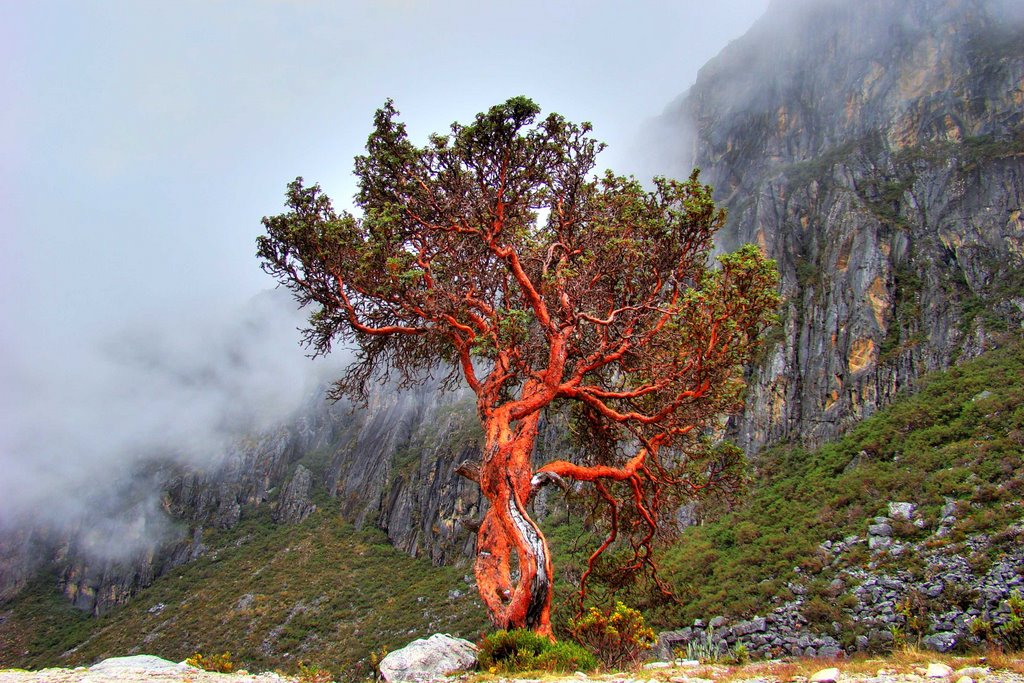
(83, 429)
(142, 143)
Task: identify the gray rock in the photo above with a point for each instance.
(295, 504)
(940, 642)
(881, 529)
(879, 542)
(136, 663)
(902, 511)
(429, 659)
(830, 652)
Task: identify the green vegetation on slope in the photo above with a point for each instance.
(323, 593)
(960, 437)
(319, 592)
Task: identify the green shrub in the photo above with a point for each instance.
(737, 656)
(618, 638)
(566, 655)
(704, 650)
(311, 673)
(524, 650)
(220, 664)
(1011, 631)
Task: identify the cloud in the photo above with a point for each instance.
(84, 424)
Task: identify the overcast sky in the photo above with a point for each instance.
(142, 141)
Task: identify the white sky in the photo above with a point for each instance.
(141, 141)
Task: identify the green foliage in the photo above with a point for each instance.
(1011, 631)
(960, 436)
(737, 656)
(619, 637)
(1008, 635)
(983, 630)
(220, 664)
(705, 649)
(39, 624)
(523, 650)
(311, 673)
(913, 609)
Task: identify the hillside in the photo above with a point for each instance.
(875, 150)
(324, 593)
(824, 543)
(318, 592)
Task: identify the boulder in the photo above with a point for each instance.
(136, 663)
(902, 510)
(940, 642)
(829, 675)
(428, 659)
(938, 670)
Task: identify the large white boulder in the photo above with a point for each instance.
(428, 659)
(136, 663)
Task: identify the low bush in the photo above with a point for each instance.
(523, 650)
(618, 638)
(220, 664)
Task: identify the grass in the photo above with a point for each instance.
(326, 595)
(961, 436)
(319, 593)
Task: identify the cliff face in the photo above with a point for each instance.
(876, 150)
(391, 464)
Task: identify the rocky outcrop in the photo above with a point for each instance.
(428, 659)
(876, 150)
(390, 463)
(134, 669)
(951, 601)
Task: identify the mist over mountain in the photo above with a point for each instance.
(86, 427)
(875, 149)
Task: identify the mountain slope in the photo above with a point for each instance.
(317, 592)
(876, 150)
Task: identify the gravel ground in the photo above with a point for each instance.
(148, 669)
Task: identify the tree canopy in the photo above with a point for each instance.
(495, 254)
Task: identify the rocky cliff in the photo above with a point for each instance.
(391, 463)
(876, 150)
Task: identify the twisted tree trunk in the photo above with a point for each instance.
(513, 566)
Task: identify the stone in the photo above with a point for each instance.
(295, 504)
(429, 659)
(940, 642)
(136, 663)
(900, 510)
(880, 530)
(965, 679)
(829, 675)
(879, 542)
(650, 666)
(937, 670)
(974, 671)
(717, 622)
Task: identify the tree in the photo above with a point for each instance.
(495, 253)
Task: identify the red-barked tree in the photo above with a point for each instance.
(495, 252)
